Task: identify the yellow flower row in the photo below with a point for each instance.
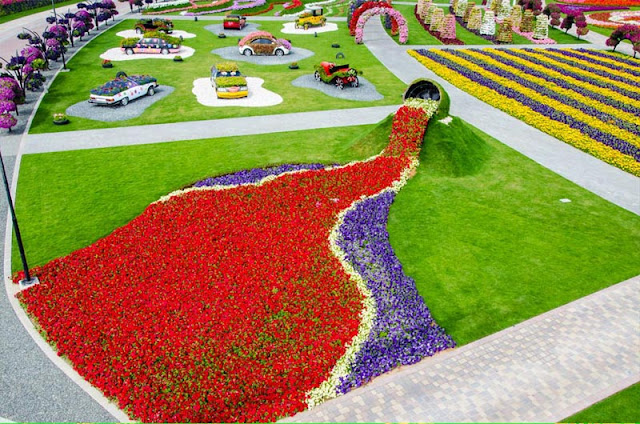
(611, 60)
(617, 55)
(534, 95)
(513, 107)
(582, 62)
(574, 81)
(571, 68)
(628, 117)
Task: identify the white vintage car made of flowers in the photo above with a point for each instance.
(123, 89)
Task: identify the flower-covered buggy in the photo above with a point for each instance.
(228, 82)
(263, 43)
(311, 17)
(340, 75)
(123, 89)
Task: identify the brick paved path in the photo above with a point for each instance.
(544, 370)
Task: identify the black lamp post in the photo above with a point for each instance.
(28, 280)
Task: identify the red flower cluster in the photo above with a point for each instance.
(217, 305)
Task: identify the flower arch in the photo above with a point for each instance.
(393, 13)
(353, 21)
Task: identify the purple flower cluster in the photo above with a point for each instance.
(587, 58)
(574, 9)
(567, 52)
(564, 84)
(626, 60)
(543, 109)
(254, 175)
(237, 5)
(568, 100)
(579, 77)
(403, 331)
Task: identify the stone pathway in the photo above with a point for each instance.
(542, 370)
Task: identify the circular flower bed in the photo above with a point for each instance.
(614, 19)
(240, 299)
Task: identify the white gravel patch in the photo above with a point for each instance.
(258, 96)
(116, 54)
(131, 33)
(290, 28)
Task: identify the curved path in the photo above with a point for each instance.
(513, 375)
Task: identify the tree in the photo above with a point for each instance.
(624, 32)
(552, 10)
(57, 39)
(567, 22)
(581, 24)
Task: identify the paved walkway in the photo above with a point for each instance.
(542, 370)
(195, 130)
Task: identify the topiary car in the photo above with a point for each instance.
(228, 82)
(234, 22)
(263, 43)
(156, 24)
(123, 88)
(340, 75)
(311, 17)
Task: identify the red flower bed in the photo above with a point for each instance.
(218, 305)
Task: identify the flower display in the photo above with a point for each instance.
(7, 121)
(245, 297)
(475, 19)
(526, 24)
(7, 106)
(117, 85)
(461, 8)
(449, 30)
(582, 118)
(613, 19)
(604, 2)
(542, 27)
(394, 14)
(488, 27)
(436, 27)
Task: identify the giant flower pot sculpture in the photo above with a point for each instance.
(246, 297)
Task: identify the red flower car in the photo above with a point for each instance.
(234, 22)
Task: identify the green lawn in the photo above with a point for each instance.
(87, 73)
(60, 8)
(623, 407)
(483, 232)
(479, 227)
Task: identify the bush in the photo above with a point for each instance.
(129, 42)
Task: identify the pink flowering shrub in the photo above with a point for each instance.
(402, 23)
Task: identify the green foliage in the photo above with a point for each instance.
(224, 82)
(227, 66)
(164, 36)
(129, 42)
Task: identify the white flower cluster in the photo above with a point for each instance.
(428, 106)
(328, 389)
(175, 3)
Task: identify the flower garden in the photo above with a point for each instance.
(292, 268)
(587, 99)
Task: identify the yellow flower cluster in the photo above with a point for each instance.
(612, 60)
(574, 81)
(576, 113)
(513, 107)
(548, 59)
(534, 95)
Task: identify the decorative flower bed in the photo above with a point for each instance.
(605, 2)
(614, 19)
(448, 41)
(246, 297)
(567, 93)
(120, 84)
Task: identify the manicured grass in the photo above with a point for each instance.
(84, 195)
(623, 407)
(87, 73)
(483, 232)
(63, 3)
(479, 227)
(563, 38)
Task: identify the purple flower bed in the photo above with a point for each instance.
(619, 58)
(255, 175)
(545, 110)
(237, 5)
(403, 331)
(573, 9)
(568, 100)
(592, 81)
(575, 64)
(564, 84)
(582, 56)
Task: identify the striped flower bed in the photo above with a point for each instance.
(246, 297)
(588, 99)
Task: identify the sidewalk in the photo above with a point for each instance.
(541, 370)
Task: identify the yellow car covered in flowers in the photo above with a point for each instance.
(311, 17)
(228, 82)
